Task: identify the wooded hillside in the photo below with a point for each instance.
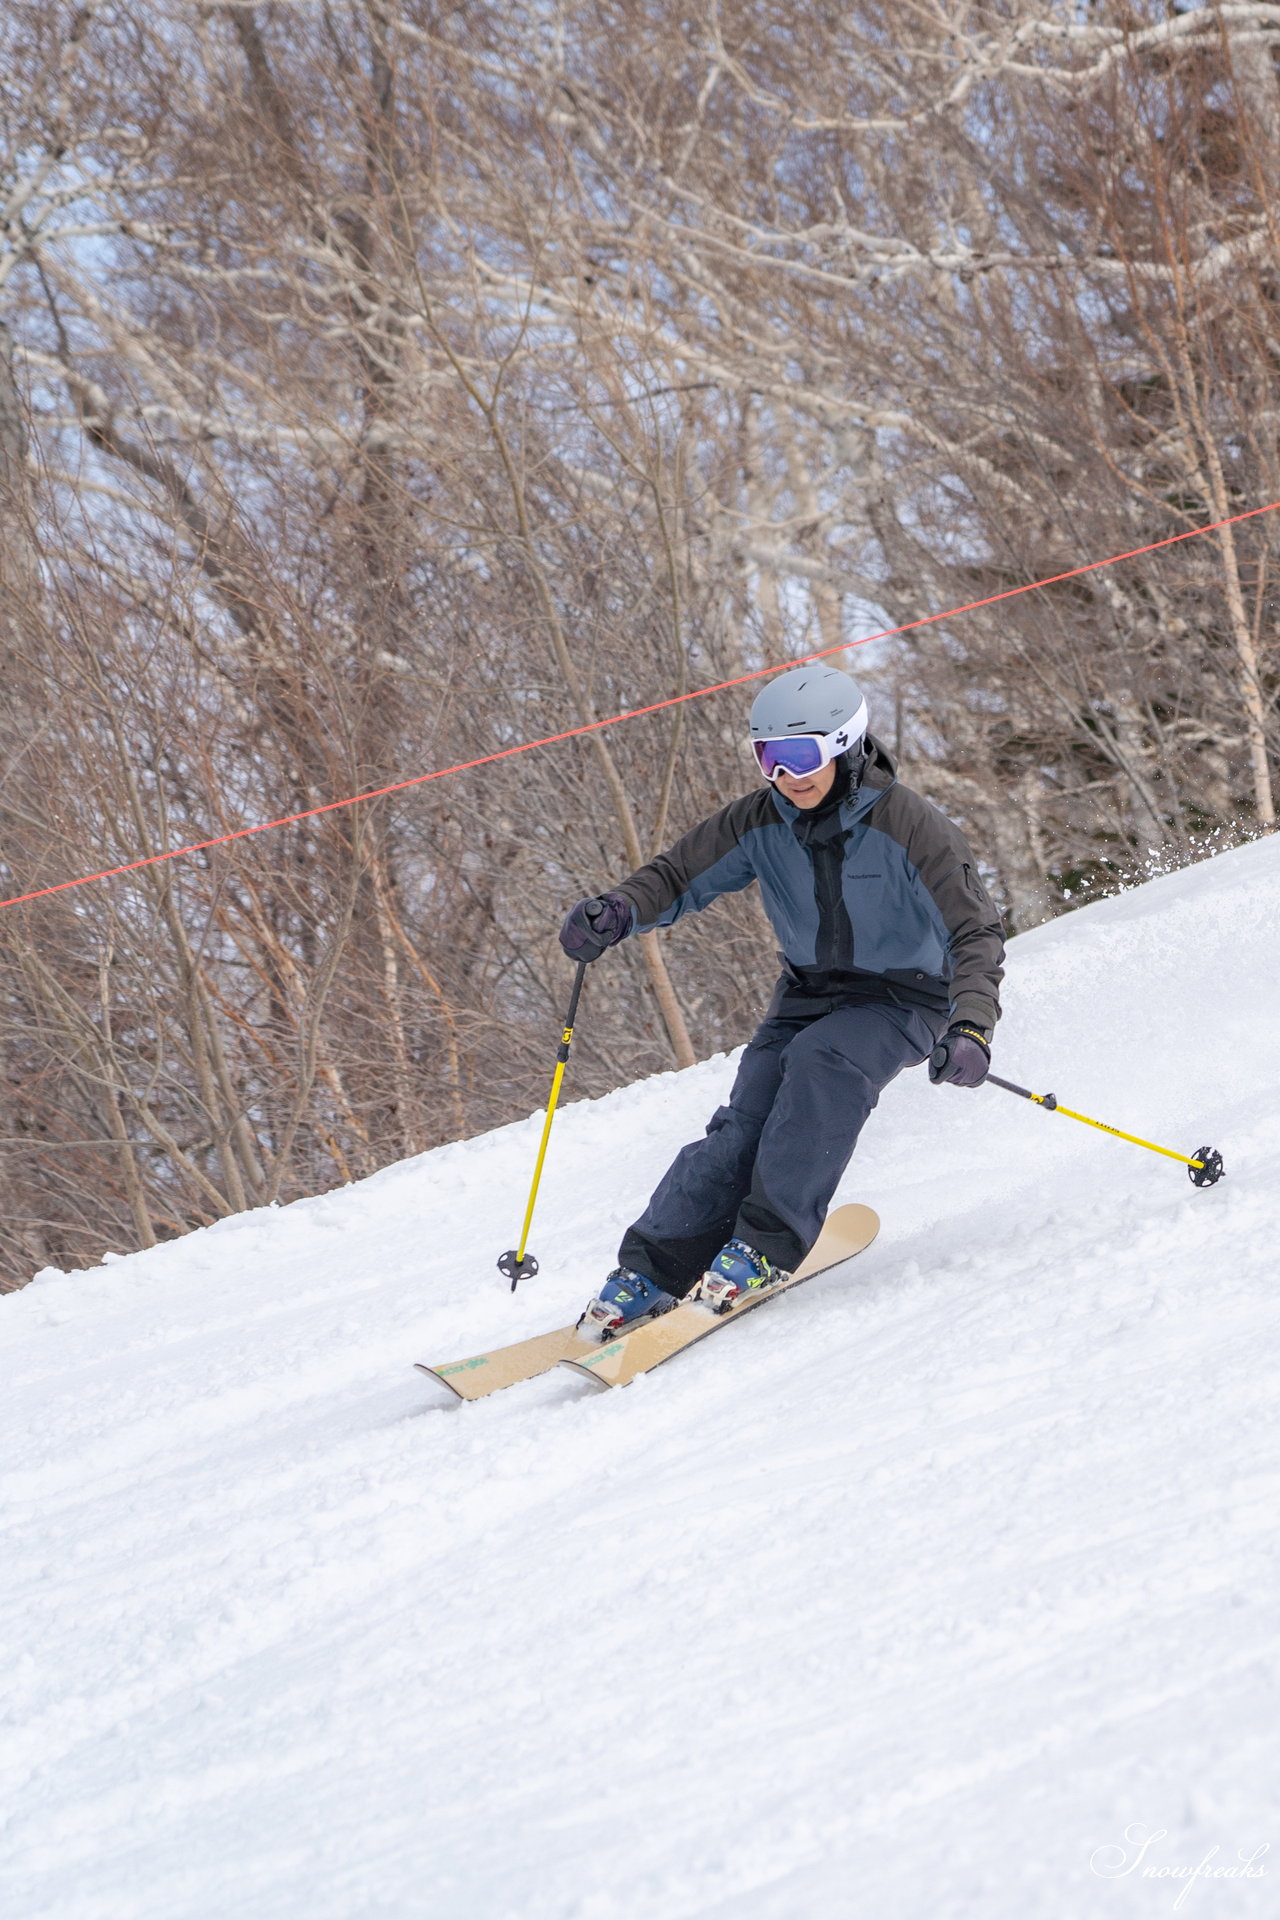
(382, 385)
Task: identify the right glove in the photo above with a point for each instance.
(961, 1058)
(594, 925)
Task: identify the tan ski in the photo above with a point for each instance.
(848, 1231)
(486, 1373)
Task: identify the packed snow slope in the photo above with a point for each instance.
(906, 1598)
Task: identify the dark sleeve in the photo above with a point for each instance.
(944, 860)
(709, 860)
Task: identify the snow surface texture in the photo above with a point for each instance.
(903, 1599)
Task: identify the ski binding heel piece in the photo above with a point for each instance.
(717, 1291)
(626, 1300)
(736, 1271)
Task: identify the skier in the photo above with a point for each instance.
(891, 954)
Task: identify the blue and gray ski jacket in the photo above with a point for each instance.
(876, 898)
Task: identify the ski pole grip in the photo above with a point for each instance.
(578, 978)
(571, 1017)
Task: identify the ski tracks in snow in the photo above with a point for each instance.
(907, 1597)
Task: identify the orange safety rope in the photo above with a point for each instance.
(632, 713)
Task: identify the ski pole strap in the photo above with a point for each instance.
(1207, 1164)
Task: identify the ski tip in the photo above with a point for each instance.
(585, 1371)
(449, 1395)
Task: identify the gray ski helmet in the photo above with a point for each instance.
(816, 699)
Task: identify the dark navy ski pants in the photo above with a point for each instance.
(770, 1161)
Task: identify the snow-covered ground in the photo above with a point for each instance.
(905, 1599)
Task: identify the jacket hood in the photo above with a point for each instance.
(881, 770)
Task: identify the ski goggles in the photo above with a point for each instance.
(801, 754)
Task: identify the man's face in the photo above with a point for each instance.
(810, 789)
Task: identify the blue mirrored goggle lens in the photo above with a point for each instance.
(799, 756)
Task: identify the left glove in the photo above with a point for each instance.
(961, 1058)
(595, 925)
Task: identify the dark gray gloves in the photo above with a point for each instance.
(595, 925)
(961, 1058)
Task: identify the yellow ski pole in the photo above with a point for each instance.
(515, 1263)
(1205, 1168)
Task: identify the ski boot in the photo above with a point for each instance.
(736, 1270)
(626, 1300)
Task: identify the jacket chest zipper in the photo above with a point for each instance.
(835, 929)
